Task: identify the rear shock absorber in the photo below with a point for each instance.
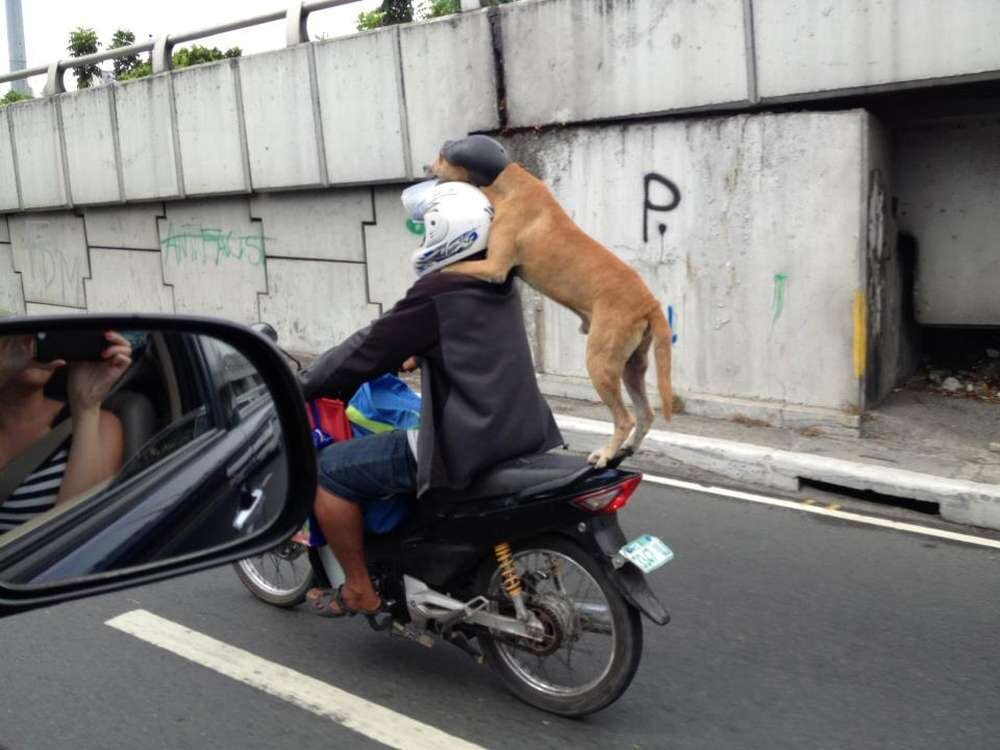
(510, 578)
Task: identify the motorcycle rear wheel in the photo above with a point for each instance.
(587, 616)
(281, 576)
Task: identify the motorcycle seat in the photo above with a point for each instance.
(533, 474)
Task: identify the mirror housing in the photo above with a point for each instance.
(299, 476)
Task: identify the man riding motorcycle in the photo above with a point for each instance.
(480, 401)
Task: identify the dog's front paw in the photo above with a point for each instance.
(599, 458)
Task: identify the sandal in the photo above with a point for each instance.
(320, 605)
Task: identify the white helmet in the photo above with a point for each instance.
(456, 218)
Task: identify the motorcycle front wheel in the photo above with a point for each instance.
(281, 576)
(593, 640)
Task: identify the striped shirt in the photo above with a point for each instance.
(37, 493)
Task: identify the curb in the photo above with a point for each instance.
(961, 501)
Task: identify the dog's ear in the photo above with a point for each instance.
(448, 172)
(482, 157)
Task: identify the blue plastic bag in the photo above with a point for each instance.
(384, 404)
(380, 405)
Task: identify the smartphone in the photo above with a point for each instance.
(72, 346)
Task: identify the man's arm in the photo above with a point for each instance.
(410, 328)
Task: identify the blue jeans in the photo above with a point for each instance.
(377, 472)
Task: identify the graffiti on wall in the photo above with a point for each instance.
(659, 195)
(778, 302)
(207, 246)
(58, 273)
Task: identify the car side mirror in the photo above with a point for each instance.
(138, 448)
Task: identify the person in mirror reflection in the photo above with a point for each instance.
(90, 454)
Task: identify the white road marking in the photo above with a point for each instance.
(911, 528)
(370, 719)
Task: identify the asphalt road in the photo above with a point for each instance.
(789, 631)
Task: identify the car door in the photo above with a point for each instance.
(230, 474)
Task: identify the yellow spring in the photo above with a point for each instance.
(505, 560)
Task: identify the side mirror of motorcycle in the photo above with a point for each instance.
(201, 454)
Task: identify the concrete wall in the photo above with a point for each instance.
(316, 264)
(450, 82)
(948, 184)
(37, 165)
(892, 343)
(11, 294)
(613, 59)
(806, 47)
(376, 106)
(267, 186)
(369, 108)
(747, 228)
(752, 230)
(50, 254)
(144, 118)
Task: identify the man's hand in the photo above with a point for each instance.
(411, 364)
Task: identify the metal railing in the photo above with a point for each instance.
(295, 16)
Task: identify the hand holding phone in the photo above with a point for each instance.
(71, 346)
(90, 382)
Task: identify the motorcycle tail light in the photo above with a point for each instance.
(608, 499)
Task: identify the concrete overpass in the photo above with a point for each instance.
(754, 159)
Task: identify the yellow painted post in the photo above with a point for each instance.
(860, 334)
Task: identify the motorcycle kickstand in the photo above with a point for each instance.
(461, 641)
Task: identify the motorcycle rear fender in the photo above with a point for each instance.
(631, 582)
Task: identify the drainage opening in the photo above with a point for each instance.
(870, 496)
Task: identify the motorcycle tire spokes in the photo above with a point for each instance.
(280, 576)
(579, 645)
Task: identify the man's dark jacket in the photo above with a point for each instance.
(480, 400)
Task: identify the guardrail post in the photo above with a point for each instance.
(162, 60)
(54, 83)
(295, 25)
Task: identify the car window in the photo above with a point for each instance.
(180, 363)
(237, 383)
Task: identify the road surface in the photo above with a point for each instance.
(790, 630)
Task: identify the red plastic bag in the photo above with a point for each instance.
(328, 424)
(328, 421)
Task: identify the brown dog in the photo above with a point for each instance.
(532, 233)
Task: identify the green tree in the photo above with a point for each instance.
(183, 58)
(123, 65)
(141, 70)
(196, 55)
(13, 96)
(397, 11)
(387, 14)
(437, 8)
(370, 20)
(83, 41)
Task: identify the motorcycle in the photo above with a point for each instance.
(527, 571)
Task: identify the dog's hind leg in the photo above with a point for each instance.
(634, 376)
(608, 348)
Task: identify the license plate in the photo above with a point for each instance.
(647, 553)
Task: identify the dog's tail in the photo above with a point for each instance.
(662, 336)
